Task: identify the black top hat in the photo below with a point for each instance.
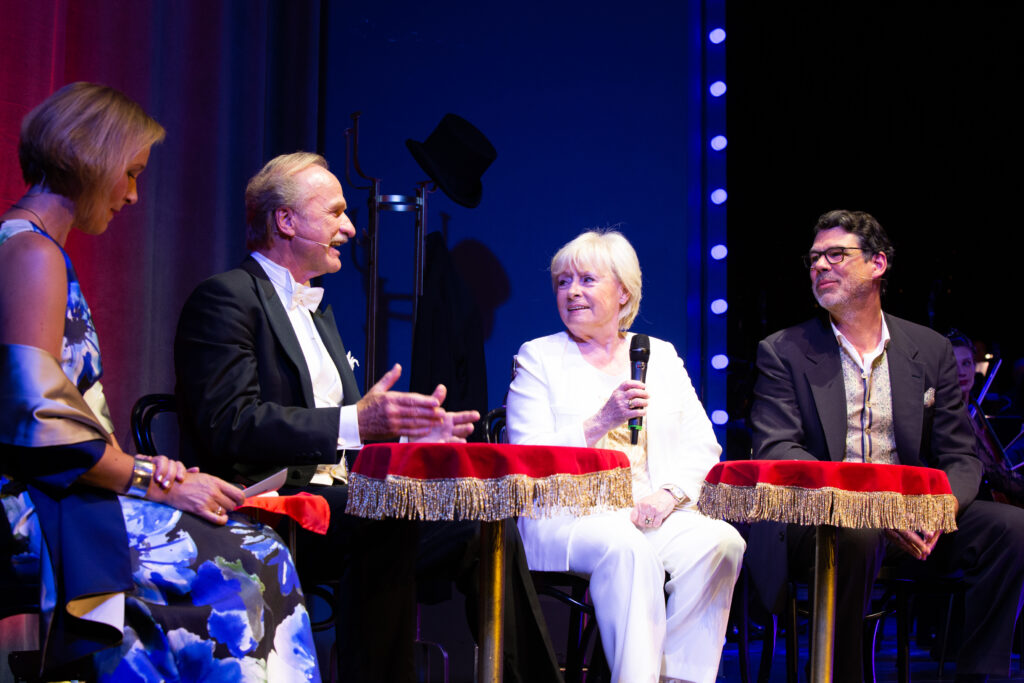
(455, 156)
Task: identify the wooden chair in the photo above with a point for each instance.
(896, 588)
(154, 420)
(570, 590)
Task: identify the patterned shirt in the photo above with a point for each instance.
(870, 436)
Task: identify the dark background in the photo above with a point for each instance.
(907, 110)
(595, 111)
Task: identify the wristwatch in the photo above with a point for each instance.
(676, 492)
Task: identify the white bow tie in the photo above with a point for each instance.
(306, 297)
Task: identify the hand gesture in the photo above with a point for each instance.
(386, 414)
(454, 427)
(627, 401)
(203, 495)
(650, 511)
(166, 472)
(917, 545)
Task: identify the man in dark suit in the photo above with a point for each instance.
(860, 385)
(263, 382)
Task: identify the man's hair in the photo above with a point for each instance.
(872, 237)
(272, 188)
(79, 141)
(610, 251)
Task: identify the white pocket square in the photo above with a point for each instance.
(929, 397)
(352, 362)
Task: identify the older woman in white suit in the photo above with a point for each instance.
(574, 389)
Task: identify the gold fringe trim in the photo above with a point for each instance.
(488, 500)
(835, 507)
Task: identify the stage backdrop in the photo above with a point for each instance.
(594, 115)
(232, 82)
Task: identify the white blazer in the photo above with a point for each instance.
(554, 390)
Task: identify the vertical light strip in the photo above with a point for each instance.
(716, 195)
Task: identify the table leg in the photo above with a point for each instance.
(492, 602)
(824, 604)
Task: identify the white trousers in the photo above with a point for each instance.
(643, 637)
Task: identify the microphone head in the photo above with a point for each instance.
(325, 246)
(639, 348)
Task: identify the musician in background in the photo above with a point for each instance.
(1004, 485)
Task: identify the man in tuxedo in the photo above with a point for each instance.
(860, 385)
(263, 382)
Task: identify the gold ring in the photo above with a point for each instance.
(220, 511)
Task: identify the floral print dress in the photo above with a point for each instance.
(210, 603)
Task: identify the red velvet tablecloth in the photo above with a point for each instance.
(845, 494)
(487, 482)
(310, 511)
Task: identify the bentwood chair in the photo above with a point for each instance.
(896, 588)
(569, 589)
(154, 421)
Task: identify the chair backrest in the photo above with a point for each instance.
(495, 421)
(155, 425)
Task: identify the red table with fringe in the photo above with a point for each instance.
(489, 483)
(828, 495)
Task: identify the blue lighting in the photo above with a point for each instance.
(719, 417)
(717, 35)
(719, 306)
(719, 196)
(718, 143)
(719, 361)
(719, 252)
(717, 89)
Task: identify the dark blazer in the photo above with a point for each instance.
(799, 413)
(245, 398)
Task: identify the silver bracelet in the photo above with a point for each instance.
(142, 475)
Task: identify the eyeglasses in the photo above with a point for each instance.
(833, 255)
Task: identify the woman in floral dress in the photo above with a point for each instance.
(138, 564)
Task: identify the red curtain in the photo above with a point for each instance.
(202, 69)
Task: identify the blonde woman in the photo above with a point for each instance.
(141, 568)
(573, 388)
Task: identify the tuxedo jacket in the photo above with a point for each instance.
(245, 397)
(799, 413)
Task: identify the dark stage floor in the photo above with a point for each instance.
(444, 624)
(923, 669)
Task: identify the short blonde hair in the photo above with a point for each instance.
(79, 141)
(610, 251)
(272, 188)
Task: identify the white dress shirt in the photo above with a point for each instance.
(327, 387)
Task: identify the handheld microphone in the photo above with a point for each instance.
(639, 354)
(325, 246)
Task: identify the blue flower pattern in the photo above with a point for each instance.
(234, 643)
(218, 610)
(80, 352)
